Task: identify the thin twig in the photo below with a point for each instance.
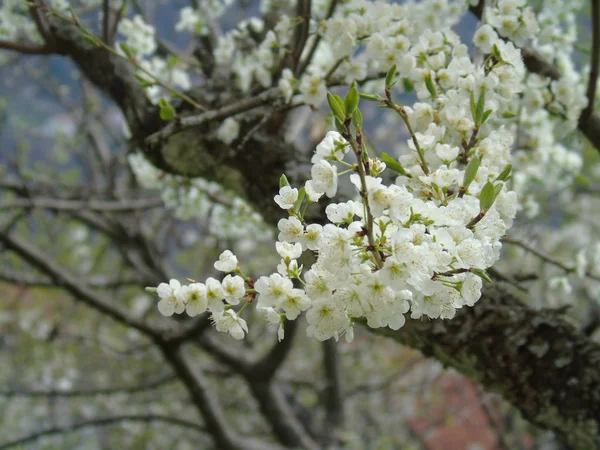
(102, 422)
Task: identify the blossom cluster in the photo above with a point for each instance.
(421, 243)
(198, 198)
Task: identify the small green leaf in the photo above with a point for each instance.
(392, 164)
(283, 181)
(471, 171)
(127, 50)
(487, 196)
(351, 100)
(337, 106)
(339, 125)
(357, 119)
(505, 174)
(145, 83)
(166, 110)
(370, 97)
(479, 108)
(91, 39)
(430, 85)
(509, 115)
(473, 108)
(498, 189)
(581, 179)
(301, 195)
(408, 85)
(390, 78)
(151, 289)
(486, 115)
(481, 274)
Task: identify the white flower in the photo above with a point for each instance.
(229, 322)
(214, 295)
(326, 320)
(272, 289)
(484, 38)
(581, 263)
(194, 297)
(471, 289)
(294, 302)
(324, 177)
(311, 191)
(333, 146)
(170, 301)
(286, 84)
(227, 262)
(311, 237)
(288, 251)
(290, 230)
(233, 289)
(286, 199)
(561, 283)
(229, 130)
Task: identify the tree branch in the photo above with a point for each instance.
(536, 360)
(56, 204)
(595, 59)
(333, 395)
(207, 404)
(145, 386)
(102, 422)
(183, 123)
(80, 291)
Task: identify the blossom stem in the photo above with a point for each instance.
(402, 113)
(100, 43)
(363, 183)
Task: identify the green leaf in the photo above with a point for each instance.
(473, 108)
(370, 97)
(481, 274)
(479, 107)
(486, 115)
(127, 50)
(498, 189)
(91, 39)
(390, 78)
(283, 181)
(151, 289)
(351, 100)
(430, 86)
(391, 163)
(408, 85)
(505, 174)
(339, 125)
(301, 195)
(337, 106)
(471, 171)
(581, 179)
(145, 83)
(487, 196)
(357, 119)
(167, 112)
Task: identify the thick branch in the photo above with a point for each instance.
(535, 359)
(595, 59)
(207, 404)
(334, 397)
